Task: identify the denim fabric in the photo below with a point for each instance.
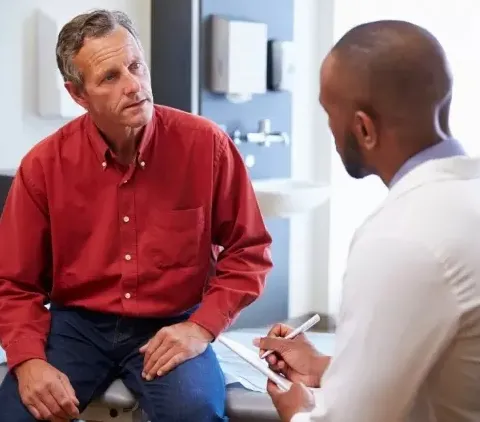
(93, 349)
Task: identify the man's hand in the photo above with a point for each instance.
(296, 400)
(172, 346)
(297, 358)
(46, 392)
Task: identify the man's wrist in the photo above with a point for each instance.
(203, 332)
(25, 364)
(320, 365)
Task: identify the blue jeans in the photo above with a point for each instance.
(93, 349)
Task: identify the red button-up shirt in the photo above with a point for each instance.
(80, 230)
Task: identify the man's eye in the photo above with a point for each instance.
(135, 66)
(109, 77)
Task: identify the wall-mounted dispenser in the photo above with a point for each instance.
(281, 65)
(238, 58)
(53, 99)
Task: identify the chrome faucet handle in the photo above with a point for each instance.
(265, 126)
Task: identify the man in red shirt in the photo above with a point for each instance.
(112, 219)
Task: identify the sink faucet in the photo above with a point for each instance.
(264, 135)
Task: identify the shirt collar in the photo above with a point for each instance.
(444, 149)
(102, 151)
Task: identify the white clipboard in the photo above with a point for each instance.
(249, 356)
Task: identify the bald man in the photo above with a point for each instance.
(408, 334)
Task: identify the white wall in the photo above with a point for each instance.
(458, 30)
(21, 128)
(311, 157)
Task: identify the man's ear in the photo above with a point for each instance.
(77, 93)
(365, 130)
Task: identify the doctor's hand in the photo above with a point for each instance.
(172, 346)
(296, 400)
(46, 392)
(297, 359)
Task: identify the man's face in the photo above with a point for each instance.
(117, 89)
(340, 117)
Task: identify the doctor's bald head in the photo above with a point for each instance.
(386, 87)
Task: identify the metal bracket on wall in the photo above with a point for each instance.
(264, 136)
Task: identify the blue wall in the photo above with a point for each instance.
(273, 161)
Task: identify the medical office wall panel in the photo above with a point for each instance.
(175, 49)
(6, 179)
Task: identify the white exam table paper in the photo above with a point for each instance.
(237, 371)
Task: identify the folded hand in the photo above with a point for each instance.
(46, 392)
(172, 346)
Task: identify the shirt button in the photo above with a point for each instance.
(126, 219)
(142, 163)
(128, 257)
(128, 295)
(104, 164)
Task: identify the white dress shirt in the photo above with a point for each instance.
(408, 337)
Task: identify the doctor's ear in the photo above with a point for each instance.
(365, 130)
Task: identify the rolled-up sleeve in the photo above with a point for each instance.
(398, 314)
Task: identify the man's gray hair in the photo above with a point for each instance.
(94, 24)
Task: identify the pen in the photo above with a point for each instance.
(301, 329)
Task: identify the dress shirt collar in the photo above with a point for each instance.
(102, 151)
(444, 149)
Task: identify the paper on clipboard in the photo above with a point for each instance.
(255, 361)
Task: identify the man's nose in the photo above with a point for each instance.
(132, 85)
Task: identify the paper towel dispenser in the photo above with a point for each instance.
(238, 57)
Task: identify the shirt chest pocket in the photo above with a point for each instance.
(174, 238)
